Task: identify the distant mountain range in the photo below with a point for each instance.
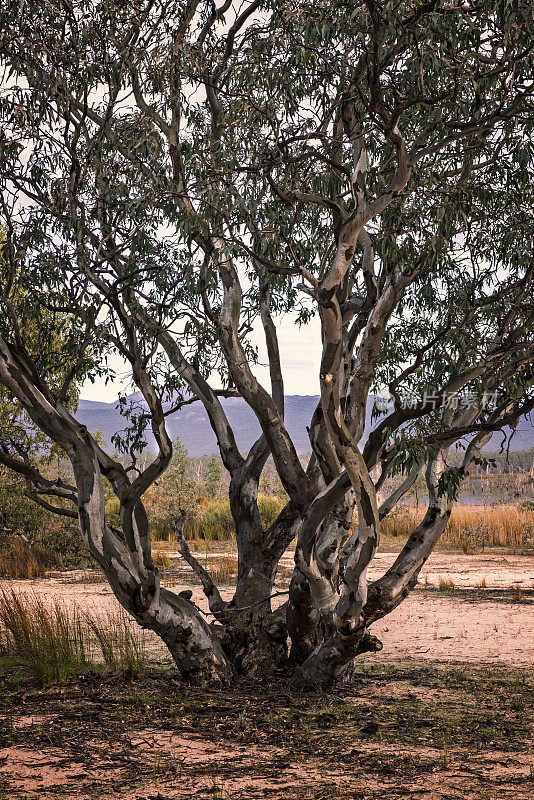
(191, 424)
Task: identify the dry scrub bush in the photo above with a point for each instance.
(19, 561)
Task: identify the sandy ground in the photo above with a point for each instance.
(441, 713)
(465, 625)
(488, 617)
(415, 734)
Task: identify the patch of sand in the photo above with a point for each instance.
(428, 625)
(184, 766)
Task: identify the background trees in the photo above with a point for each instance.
(176, 178)
(213, 476)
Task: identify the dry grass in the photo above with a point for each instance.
(54, 641)
(223, 569)
(121, 646)
(19, 561)
(471, 527)
(161, 558)
(446, 585)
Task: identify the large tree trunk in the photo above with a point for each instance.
(304, 625)
(255, 638)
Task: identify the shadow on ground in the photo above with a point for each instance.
(399, 731)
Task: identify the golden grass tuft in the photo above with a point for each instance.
(161, 559)
(54, 641)
(471, 527)
(223, 569)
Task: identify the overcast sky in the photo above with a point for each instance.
(301, 357)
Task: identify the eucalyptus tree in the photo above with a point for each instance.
(56, 339)
(175, 177)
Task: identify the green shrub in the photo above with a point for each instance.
(113, 511)
(62, 536)
(18, 512)
(215, 521)
(55, 541)
(270, 508)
